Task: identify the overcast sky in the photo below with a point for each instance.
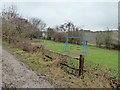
(87, 15)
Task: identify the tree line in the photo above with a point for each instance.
(15, 27)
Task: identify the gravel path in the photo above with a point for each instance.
(0, 67)
(16, 75)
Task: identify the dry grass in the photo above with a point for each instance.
(57, 76)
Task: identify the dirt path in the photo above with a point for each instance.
(16, 75)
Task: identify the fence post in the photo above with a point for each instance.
(81, 64)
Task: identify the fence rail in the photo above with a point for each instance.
(66, 62)
(69, 66)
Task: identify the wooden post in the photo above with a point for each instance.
(81, 64)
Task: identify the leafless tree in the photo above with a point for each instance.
(9, 12)
(108, 38)
(14, 26)
(72, 31)
(36, 22)
(99, 38)
(50, 33)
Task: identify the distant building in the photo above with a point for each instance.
(44, 34)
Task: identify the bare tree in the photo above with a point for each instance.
(99, 38)
(9, 12)
(50, 33)
(8, 29)
(38, 23)
(108, 38)
(14, 26)
(67, 29)
(37, 27)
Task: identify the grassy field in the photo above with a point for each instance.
(55, 74)
(107, 59)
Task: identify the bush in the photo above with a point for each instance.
(26, 45)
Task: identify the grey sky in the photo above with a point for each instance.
(88, 15)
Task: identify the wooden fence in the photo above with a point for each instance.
(69, 64)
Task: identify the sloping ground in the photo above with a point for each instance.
(0, 67)
(16, 75)
(107, 59)
(51, 71)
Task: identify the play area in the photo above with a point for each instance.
(84, 50)
(71, 49)
(100, 58)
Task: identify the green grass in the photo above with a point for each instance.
(107, 59)
(54, 73)
(31, 59)
(0, 42)
(104, 57)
